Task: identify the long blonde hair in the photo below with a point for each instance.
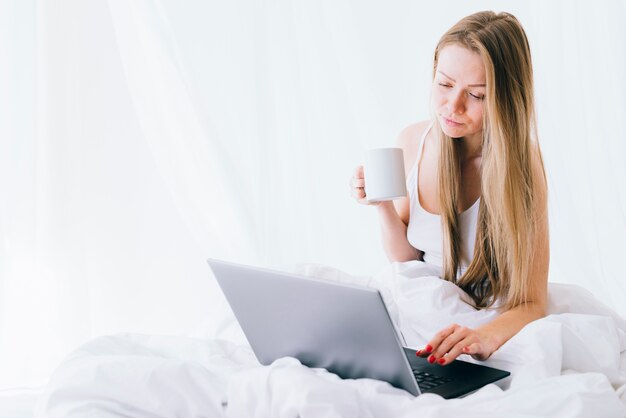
(505, 229)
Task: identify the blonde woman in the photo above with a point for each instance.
(477, 199)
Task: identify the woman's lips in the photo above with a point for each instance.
(451, 123)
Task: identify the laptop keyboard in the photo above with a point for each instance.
(428, 381)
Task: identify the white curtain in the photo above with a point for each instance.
(138, 138)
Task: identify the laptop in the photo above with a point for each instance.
(343, 328)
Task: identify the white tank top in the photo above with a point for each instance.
(424, 231)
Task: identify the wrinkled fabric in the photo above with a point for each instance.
(572, 363)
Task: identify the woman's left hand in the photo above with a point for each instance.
(455, 340)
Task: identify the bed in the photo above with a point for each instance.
(572, 363)
(19, 403)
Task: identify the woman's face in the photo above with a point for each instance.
(458, 92)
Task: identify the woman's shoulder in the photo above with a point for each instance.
(409, 137)
(408, 140)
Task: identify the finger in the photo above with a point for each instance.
(458, 349)
(459, 334)
(438, 339)
(477, 351)
(357, 182)
(471, 348)
(358, 172)
(358, 193)
(425, 351)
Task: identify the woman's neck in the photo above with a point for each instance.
(471, 146)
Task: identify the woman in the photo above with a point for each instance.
(477, 200)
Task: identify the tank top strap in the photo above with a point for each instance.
(413, 172)
(421, 146)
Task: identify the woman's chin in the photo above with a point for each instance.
(453, 132)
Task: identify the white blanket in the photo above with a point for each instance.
(570, 364)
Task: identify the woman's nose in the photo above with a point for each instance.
(456, 103)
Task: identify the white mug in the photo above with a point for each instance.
(384, 174)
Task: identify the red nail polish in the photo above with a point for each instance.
(441, 361)
(418, 352)
(429, 348)
(431, 359)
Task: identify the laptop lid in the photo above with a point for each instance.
(343, 328)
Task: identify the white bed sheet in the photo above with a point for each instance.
(19, 403)
(570, 364)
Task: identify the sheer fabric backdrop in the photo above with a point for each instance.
(139, 138)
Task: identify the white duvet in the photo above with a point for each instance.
(570, 364)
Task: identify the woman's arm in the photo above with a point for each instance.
(394, 215)
(501, 329)
(394, 218)
(392, 224)
(393, 233)
(481, 342)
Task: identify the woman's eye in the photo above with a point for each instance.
(477, 97)
(445, 85)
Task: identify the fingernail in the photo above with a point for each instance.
(418, 352)
(441, 361)
(429, 349)
(466, 349)
(431, 359)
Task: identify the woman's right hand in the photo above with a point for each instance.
(357, 187)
